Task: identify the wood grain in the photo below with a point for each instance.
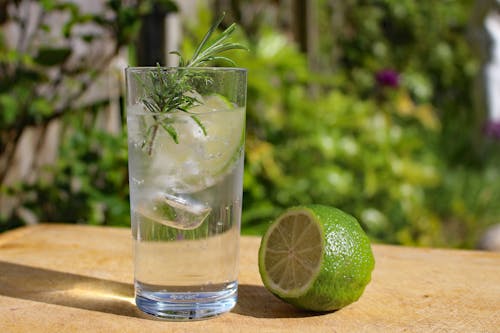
(70, 278)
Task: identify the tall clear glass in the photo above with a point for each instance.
(185, 175)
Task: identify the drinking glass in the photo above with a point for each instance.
(185, 177)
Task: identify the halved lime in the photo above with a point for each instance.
(316, 258)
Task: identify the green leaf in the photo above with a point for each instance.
(47, 4)
(88, 38)
(225, 59)
(67, 6)
(45, 27)
(168, 6)
(207, 36)
(181, 60)
(51, 56)
(200, 124)
(40, 108)
(9, 107)
(170, 130)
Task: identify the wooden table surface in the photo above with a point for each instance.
(68, 278)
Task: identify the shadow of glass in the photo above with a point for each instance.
(78, 291)
(256, 301)
(88, 293)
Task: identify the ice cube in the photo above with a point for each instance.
(175, 211)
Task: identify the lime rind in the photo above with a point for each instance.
(236, 155)
(212, 102)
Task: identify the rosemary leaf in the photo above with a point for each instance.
(169, 91)
(207, 36)
(171, 131)
(197, 120)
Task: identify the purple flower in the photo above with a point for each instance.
(387, 78)
(492, 129)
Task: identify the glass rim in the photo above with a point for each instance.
(171, 68)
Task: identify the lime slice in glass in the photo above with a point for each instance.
(225, 133)
(204, 154)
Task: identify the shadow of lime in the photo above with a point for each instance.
(256, 301)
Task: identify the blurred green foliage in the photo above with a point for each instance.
(403, 158)
(42, 79)
(369, 156)
(87, 184)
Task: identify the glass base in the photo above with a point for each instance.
(184, 305)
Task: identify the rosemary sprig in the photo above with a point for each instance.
(171, 90)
